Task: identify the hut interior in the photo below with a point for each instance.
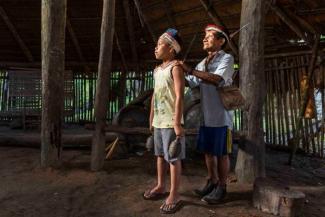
(293, 117)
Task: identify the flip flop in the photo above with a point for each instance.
(170, 208)
(148, 195)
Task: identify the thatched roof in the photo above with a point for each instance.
(20, 27)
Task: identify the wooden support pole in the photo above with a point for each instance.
(251, 154)
(17, 37)
(104, 70)
(53, 49)
(216, 19)
(312, 63)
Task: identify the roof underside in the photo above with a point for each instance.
(188, 16)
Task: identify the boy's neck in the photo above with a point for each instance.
(167, 60)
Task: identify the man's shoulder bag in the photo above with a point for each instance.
(231, 96)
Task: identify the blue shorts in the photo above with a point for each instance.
(215, 141)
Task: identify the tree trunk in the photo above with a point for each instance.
(104, 69)
(251, 154)
(53, 48)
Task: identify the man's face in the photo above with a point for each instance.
(162, 49)
(211, 42)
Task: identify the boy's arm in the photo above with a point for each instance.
(151, 114)
(179, 81)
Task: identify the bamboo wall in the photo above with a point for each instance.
(281, 109)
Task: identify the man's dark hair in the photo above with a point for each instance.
(219, 35)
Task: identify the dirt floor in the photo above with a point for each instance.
(75, 191)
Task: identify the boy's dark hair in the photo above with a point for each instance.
(180, 42)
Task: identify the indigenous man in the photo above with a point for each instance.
(214, 138)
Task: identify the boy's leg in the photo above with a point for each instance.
(161, 175)
(175, 178)
(159, 189)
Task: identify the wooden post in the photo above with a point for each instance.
(251, 154)
(102, 88)
(53, 49)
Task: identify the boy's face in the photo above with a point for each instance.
(163, 49)
(211, 42)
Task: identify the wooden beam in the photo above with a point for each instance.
(53, 50)
(75, 41)
(130, 31)
(145, 19)
(303, 22)
(102, 89)
(17, 37)
(217, 20)
(251, 154)
(286, 19)
(169, 13)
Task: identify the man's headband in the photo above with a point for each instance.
(212, 27)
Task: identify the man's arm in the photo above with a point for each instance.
(223, 72)
(178, 76)
(207, 77)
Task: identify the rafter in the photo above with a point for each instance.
(130, 27)
(169, 13)
(145, 19)
(75, 41)
(17, 37)
(286, 19)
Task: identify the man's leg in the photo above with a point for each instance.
(211, 164)
(223, 169)
(212, 179)
(219, 192)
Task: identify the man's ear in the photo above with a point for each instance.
(223, 41)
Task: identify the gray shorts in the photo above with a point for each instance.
(162, 138)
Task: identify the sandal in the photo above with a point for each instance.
(149, 195)
(170, 208)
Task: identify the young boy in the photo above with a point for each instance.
(166, 117)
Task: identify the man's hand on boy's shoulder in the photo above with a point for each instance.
(185, 67)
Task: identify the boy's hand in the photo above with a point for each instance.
(179, 131)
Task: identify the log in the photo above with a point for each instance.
(53, 54)
(271, 197)
(251, 154)
(136, 130)
(33, 140)
(102, 89)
